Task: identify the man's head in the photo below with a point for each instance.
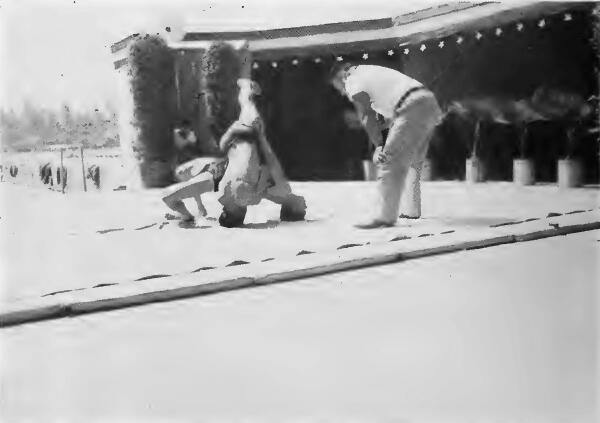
(337, 76)
(185, 131)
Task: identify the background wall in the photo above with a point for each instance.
(306, 116)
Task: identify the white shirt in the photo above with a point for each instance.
(384, 86)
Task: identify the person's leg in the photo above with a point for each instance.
(193, 188)
(240, 184)
(405, 146)
(410, 203)
(188, 170)
(201, 209)
(179, 207)
(390, 180)
(293, 207)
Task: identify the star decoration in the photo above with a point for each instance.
(423, 47)
(478, 35)
(255, 65)
(390, 52)
(318, 60)
(459, 40)
(406, 51)
(568, 17)
(441, 44)
(542, 23)
(498, 31)
(339, 58)
(274, 64)
(295, 62)
(519, 26)
(365, 56)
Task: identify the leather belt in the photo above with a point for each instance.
(401, 103)
(407, 94)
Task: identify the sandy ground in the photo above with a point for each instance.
(506, 334)
(52, 241)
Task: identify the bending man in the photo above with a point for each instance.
(411, 113)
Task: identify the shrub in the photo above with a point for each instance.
(152, 72)
(221, 68)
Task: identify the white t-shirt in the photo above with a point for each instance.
(384, 86)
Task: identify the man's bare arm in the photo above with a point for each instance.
(368, 117)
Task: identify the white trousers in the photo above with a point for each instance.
(246, 181)
(406, 147)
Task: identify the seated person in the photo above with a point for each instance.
(196, 176)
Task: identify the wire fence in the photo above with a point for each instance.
(68, 169)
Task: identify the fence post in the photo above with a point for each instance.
(62, 172)
(83, 170)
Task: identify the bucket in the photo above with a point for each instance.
(523, 172)
(570, 173)
(475, 170)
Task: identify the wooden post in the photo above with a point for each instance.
(83, 170)
(62, 170)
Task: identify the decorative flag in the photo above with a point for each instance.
(567, 17)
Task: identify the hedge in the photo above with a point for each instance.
(221, 68)
(152, 72)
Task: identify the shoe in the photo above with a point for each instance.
(405, 216)
(373, 224)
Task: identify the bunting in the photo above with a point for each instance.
(422, 47)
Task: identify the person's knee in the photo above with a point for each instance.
(169, 197)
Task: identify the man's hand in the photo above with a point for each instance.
(379, 156)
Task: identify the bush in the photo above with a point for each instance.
(595, 39)
(221, 68)
(152, 74)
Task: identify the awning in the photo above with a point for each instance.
(339, 38)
